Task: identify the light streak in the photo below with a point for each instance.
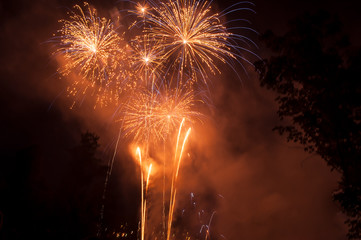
(143, 193)
(177, 161)
(208, 227)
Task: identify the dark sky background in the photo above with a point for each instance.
(260, 186)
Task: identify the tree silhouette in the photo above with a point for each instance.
(85, 187)
(317, 78)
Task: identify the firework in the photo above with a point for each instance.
(94, 51)
(192, 37)
(146, 59)
(150, 117)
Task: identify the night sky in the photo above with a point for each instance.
(260, 186)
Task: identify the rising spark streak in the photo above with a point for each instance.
(143, 193)
(177, 162)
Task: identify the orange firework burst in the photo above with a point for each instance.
(94, 51)
(191, 36)
(146, 58)
(149, 117)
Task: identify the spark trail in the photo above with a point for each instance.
(143, 193)
(177, 161)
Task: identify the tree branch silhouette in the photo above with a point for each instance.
(316, 74)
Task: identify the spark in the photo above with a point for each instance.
(207, 227)
(141, 9)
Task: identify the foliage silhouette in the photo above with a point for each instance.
(316, 74)
(85, 187)
(61, 203)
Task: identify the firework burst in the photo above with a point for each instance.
(192, 38)
(150, 117)
(95, 52)
(146, 59)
